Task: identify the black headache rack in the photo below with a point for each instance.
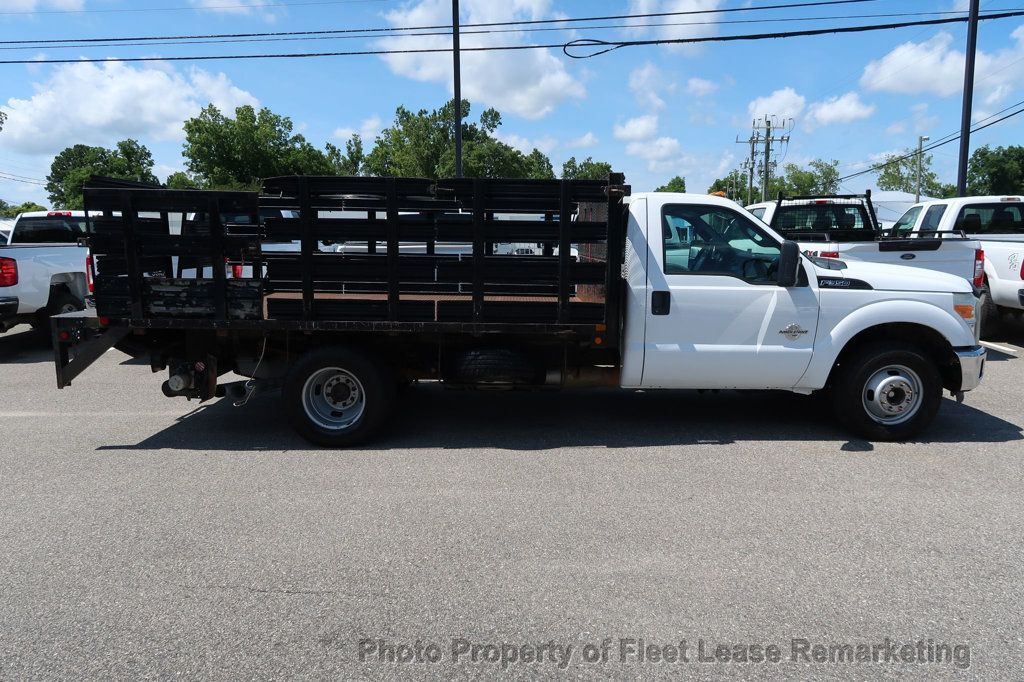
(826, 204)
(369, 254)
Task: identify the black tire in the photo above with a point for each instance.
(849, 391)
(990, 319)
(374, 378)
(61, 301)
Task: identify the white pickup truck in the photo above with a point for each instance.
(845, 226)
(42, 268)
(998, 223)
(693, 293)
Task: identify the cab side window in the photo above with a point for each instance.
(932, 217)
(715, 240)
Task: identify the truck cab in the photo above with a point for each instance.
(717, 300)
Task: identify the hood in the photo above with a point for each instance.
(886, 277)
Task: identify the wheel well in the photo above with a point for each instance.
(68, 283)
(930, 342)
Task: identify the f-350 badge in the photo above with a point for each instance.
(793, 332)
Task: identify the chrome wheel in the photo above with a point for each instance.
(892, 395)
(333, 398)
(67, 308)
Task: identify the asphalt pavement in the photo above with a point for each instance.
(150, 537)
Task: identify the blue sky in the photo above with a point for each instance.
(652, 112)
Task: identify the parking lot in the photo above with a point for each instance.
(144, 536)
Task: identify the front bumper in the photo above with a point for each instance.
(972, 366)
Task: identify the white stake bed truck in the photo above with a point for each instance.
(650, 291)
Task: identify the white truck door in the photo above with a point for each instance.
(715, 316)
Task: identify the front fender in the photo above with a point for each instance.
(831, 342)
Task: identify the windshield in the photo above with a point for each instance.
(49, 230)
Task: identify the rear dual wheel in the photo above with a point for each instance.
(339, 396)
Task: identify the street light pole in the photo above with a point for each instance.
(965, 121)
(920, 161)
(458, 88)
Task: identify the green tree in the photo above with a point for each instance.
(996, 171)
(734, 185)
(350, 162)
(587, 169)
(181, 180)
(3, 118)
(11, 210)
(819, 177)
(237, 153)
(129, 160)
(676, 184)
(898, 172)
(422, 144)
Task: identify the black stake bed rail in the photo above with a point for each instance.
(363, 254)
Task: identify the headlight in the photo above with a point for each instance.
(966, 306)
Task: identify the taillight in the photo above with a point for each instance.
(829, 254)
(236, 271)
(979, 268)
(88, 273)
(8, 272)
(62, 214)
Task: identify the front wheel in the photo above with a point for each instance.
(339, 396)
(887, 392)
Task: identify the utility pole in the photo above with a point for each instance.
(768, 140)
(458, 88)
(965, 120)
(920, 161)
(750, 164)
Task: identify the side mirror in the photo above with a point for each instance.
(789, 264)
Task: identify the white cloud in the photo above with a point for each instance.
(648, 83)
(100, 104)
(936, 67)
(695, 30)
(368, 131)
(699, 87)
(840, 109)
(526, 145)
(262, 8)
(33, 5)
(896, 128)
(784, 103)
(914, 68)
(639, 128)
(528, 83)
(584, 141)
(662, 154)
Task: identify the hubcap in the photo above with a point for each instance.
(892, 395)
(333, 398)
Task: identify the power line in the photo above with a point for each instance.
(13, 178)
(612, 45)
(608, 46)
(349, 34)
(952, 138)
(183, 8)
(448, 27)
